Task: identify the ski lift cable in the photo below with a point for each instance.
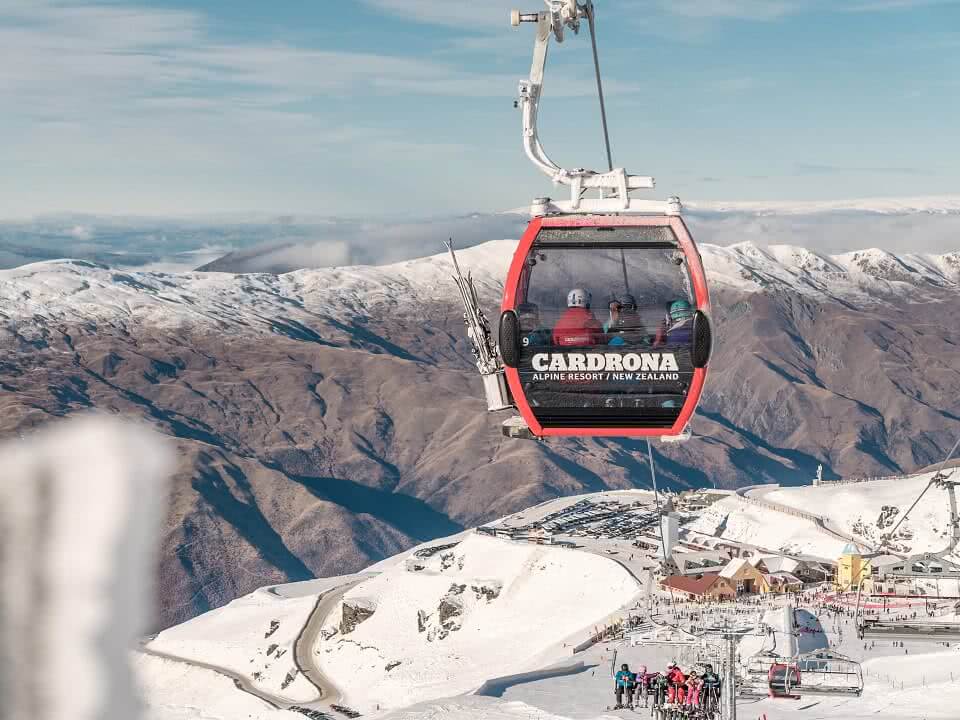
(947, 458)
(937, 476)
(656, 496)
(591, 21)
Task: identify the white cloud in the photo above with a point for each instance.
(457, 13)
(495, 13)
(321, 254)
(742, 9)
(910, 225)
(55, 56)
(122, 108)
(887, 5)
(80, 232)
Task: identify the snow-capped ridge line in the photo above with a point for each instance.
(931, 204)
(34, 296)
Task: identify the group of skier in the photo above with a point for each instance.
(674, 688)
(579, 327)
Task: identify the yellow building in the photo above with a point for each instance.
(852, 567)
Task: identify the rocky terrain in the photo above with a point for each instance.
(325, 419)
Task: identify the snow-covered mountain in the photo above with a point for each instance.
(43, 294)
(326, 419)
(473, 626)
(933, 204)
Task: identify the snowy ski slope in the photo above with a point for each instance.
(445, 620)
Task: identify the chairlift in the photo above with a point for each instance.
(822, 672)
(827, 672)
(782, 681)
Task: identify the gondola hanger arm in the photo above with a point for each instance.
(615, 184)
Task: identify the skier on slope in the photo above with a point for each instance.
(578, 327)
(622, 682)
(631, 689)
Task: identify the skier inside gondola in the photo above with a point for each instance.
(616, 305)
(578, 326)
(626, 326)
(529, 315)
(677, 325)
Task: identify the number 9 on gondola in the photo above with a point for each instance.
(605, 326)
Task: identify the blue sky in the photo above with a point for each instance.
(378, 107)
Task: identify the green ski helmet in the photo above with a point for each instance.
(680, 310)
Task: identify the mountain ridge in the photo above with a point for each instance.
(325, 419)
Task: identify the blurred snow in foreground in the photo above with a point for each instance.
(81, 505)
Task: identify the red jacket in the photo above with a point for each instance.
(577, 327)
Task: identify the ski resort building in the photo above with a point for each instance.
(697, 563)
(709, 586)
(783, 582)
(744, 577)
(852, 567)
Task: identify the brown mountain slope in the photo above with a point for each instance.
(326, 443)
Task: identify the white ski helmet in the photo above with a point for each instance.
(578, 297)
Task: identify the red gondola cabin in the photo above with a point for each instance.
(604, 327)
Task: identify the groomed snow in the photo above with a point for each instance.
(545, 595)
(177, 691)
(736, 520)
(510, 608)
(855, 508)
(253, 637)
(478, 708)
